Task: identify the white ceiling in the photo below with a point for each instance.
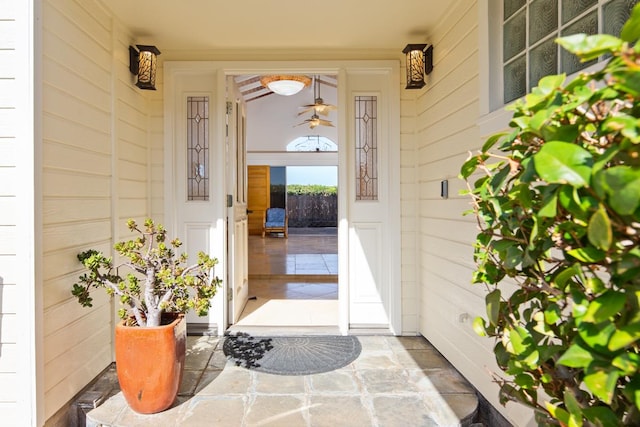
(194, 29)
(211, 25)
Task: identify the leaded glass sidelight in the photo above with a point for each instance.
(366, 135)
(198, 148)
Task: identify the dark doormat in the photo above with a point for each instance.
(299, 355)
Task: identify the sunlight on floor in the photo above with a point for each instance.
(292, 282)
(277, 312)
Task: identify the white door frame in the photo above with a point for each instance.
(345, 158)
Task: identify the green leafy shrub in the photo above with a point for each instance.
(158, 279)
(313, 190)
(558, 206)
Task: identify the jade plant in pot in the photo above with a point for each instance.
(156, 287)
(557, 201)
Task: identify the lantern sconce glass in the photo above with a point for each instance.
(143, 63)
(419, 63)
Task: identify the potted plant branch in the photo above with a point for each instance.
(156, 288)
(558, 206)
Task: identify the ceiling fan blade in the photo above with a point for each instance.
(306, 110)
(325, 123)
(324, 109)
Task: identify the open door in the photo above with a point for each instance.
(205, 183)
(259, 196)
(238, 224)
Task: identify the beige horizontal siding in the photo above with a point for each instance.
(95, 163)
(447, 114)
(16, 242)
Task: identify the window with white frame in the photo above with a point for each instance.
(529, 28)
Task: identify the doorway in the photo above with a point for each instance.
(368, 159)
(304, 265)
(293, 280)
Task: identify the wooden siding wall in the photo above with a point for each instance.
(96, 174)
(447, 112)
(17, 223)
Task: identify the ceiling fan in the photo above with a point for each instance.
(318, 105)
(315, 120)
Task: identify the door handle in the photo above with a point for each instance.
(249, 211)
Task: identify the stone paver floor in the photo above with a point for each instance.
(396, 381)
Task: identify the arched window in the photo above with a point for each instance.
(312, 143)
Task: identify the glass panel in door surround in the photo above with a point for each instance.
(198, 148)
(366, 121)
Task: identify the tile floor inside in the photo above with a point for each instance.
(293, 282)
(396, 381)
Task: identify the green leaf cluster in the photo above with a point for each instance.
(558, 205)
(158, 279)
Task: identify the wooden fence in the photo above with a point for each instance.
(312, 210)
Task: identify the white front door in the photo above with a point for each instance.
(195, 200)
(369, 163)
(238, 228)
(373, 169)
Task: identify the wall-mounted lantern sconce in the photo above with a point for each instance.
(419, 63)
(143, 63)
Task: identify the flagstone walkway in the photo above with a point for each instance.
(396, 381)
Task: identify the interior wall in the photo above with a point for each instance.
(96, 174)
(446, 130)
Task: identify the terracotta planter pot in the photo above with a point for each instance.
(149, 362)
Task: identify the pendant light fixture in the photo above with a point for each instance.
(285, 85)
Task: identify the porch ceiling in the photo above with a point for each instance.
(201, 28)
(214, 25)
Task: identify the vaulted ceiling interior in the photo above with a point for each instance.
(252, 89)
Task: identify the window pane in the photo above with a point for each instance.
(588, 25)
(616, 14)
(573, 8)
(543, 19)
(511, 7)
(544, 61)
(366, 116)
(515, 83)
(198, 148)
(514, 36)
